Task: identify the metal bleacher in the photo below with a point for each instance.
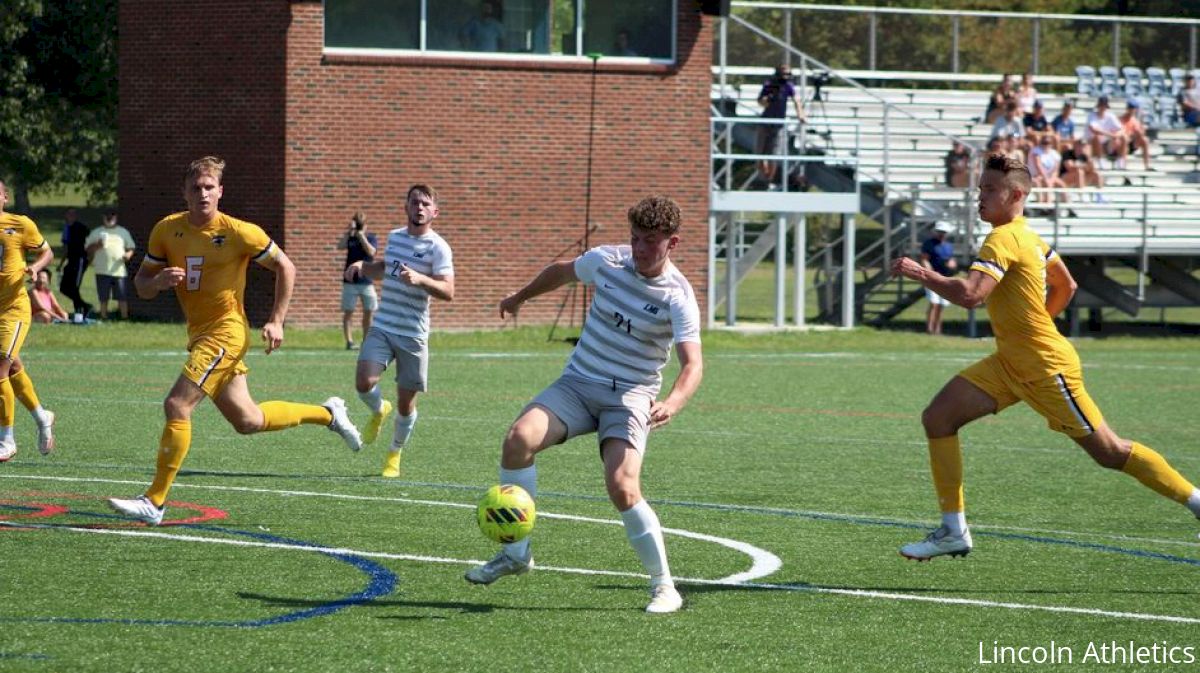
(1139, 219)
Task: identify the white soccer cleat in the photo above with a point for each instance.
(45, 434)
(341, 423)
(664, 599)
(8, 449)
(938, 543)
(139, 508)
(502, 565)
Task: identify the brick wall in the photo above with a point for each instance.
(312, 138)
(197, 79)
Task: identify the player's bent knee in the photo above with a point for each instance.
(624, 495)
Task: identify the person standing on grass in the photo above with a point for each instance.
(418, 265)
(641, 306)
(202, 254)
(74, 263)
(360, 246)
(937, 254)
(20, 235)
(110, 248)
(1025, 284)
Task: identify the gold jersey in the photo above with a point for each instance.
(1027, 341)
(17, 234)
(214, 259)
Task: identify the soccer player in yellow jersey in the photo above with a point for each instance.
(203, 254)
(1025, 284)
(18, 234)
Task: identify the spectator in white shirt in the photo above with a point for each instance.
(1044, 164)
(1105, 134)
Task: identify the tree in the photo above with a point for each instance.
(58, 95)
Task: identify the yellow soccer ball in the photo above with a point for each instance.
(506, 513)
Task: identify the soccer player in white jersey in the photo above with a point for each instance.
(416, 266)
(642, 305)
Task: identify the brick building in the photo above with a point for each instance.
(312, 134)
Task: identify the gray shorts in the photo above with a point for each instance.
(352, 292)
(107, 286)
(590, 406)
(411, 356)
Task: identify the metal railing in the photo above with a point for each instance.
(1035, 21)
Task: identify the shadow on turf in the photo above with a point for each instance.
(462, 607)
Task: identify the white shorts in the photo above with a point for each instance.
(411, 356)
(935, 298)
(351, 292)
(591, 406)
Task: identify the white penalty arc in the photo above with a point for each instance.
(763, 563)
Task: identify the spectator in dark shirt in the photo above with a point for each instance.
(773, 98)
(958, 166)
(1036, 125)
(1000, 98)
(360, 246)
(75, 261)
(938, 254)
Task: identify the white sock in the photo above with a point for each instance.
(1193, 502)
(40, 416)
(645, 535)
(955, 521)
(372, 399)
(404, 430)
(6, 434)
(526, 478)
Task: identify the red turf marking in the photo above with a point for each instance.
(46, 510)
(205, 513)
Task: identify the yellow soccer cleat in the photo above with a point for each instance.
(376, 423)
(391, 465)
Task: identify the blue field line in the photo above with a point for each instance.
(381, 582)
(32, 656)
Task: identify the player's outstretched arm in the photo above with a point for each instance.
(1060, 286)
(440, 286)
(966, 292)
(551, 278)
(285, 281)
(691, 371)
(152, 278)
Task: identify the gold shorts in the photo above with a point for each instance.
(213, 363)
(1061, 399)
(12, 337)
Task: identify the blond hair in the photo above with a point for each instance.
(424, 190)
(209, 165)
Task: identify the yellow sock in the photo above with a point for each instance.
(8, 403)
(1149, 467)
(22, 385)
(280, 415)
(173, 448)
(945, 460)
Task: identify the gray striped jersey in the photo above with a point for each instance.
(404, 309)
(633, 320)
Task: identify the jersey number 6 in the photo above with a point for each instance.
(194, 266)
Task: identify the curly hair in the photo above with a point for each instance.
(1016, 173)
(656, 213)
(209, 165)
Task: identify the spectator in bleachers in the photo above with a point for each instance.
(1189, 101)
(1010, 124)
(1036, 125)
(773, 98)
(1012, 148)
(1027, 94)
(958, 166)
(1135, 131)
(1079, 170)
(1063, 126)
(1044, 165)
(1000, 98)
(1106, 135)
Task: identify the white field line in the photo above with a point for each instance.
(714, 506)
(729, 581)
(763, 562)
